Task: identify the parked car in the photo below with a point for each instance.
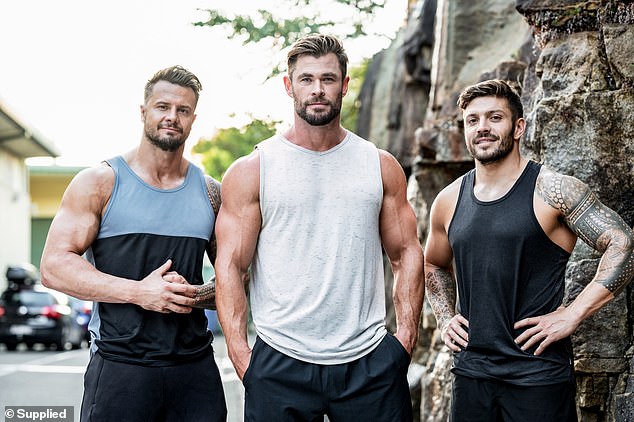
(35, 314)
(83, 309)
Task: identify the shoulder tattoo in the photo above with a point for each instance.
(597, 225)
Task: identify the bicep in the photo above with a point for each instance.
(77, 221)
(438, 251)
(239, 219)
(397, 219)
(596, 224)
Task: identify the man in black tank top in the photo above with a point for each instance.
(144, 220)
(499, 241)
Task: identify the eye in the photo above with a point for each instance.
(496, 117)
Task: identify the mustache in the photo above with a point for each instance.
(168, 126)
(317, 101)
(486, 136)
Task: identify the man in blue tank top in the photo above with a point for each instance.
(495, 259)
(310, 211)
(144, 220)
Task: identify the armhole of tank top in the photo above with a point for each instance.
(463, 184)
(261, 175)
(377, 154)
(115, 187)
(200, 174)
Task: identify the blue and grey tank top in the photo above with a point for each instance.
(143, 227)
(507, 269)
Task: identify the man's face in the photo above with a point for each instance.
(490, 132)
(317, 88)
(168, 115)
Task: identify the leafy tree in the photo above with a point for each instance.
(229, 144)
(279, 31)
(351, 103)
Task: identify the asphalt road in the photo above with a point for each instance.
(43, 377)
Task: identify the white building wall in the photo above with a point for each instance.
(15, 234)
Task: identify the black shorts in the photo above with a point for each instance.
(489, 401)
(373, 388)
(115, 391)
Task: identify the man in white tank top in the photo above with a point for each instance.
(310, 212)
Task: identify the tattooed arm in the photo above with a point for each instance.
(206, 293)
(602, 229)
(440, 282)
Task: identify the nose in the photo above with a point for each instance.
(171, 114)
(483, 126)
(317, 89)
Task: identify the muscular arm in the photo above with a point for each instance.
(237, 231)
(399, 237)
(602, 229)
(206, 294)
(73, 230)
(439, 278)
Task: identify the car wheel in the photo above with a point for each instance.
(60, 344)
(11, 346)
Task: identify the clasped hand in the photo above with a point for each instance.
(166, 291)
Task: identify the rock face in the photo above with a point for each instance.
(573, 62)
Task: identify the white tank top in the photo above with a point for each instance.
(317, 292)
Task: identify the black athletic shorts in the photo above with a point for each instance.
(115, 391)
(482, 400)
(373, 388)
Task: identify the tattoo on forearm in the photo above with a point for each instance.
(206, 295)
(597, 225)
(441, 292)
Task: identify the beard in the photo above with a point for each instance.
(504, 148)
(166, 142)
(321, 118)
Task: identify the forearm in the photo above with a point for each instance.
(232, 306)
(441, 293)
(206, 295)
(72, 274)
(408, 294)
(616, 266)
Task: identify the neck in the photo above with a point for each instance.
(162, 169)
(494, 180)
(316, 138)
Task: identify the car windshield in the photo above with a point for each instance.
(29, 298)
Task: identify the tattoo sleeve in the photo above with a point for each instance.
(597, 225)
(441, 292)
(206, 295)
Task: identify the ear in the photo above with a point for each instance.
(288, 86)
(344, 88)
(142, 107)
(520, 127)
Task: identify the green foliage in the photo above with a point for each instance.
(229, 144)
(281, 32)
(351, 103)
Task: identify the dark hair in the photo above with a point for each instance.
(317, 45)
(493, 88)
(176, 75)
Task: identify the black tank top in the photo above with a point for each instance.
(507, 269)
